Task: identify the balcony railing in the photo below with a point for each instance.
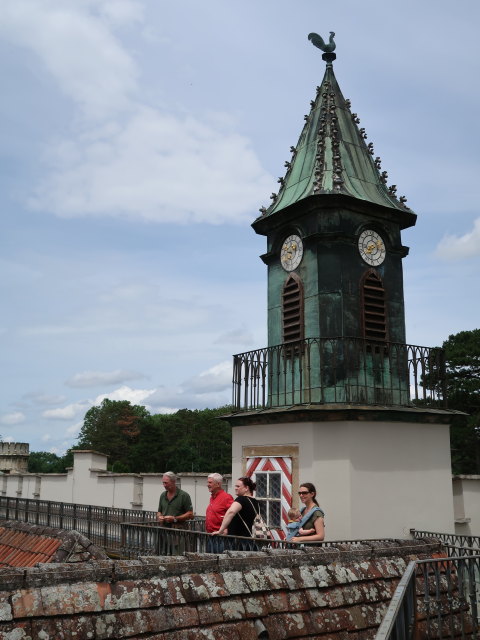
(456, 544)
(339, 370)
(101, 525)
(436, 598)
(149, 539)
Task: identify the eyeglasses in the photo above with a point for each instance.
(303, 493)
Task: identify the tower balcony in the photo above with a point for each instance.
(348, 371)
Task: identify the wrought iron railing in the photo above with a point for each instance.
(436, 598)
(101, 525)
(149, 539)
(457, 545)
(339, 370)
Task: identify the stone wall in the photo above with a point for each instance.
(14, 456)
(314, 593)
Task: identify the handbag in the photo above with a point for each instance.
(259, 526)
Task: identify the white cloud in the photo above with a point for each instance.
(127, 158)
(74, 429)
(77, 47)
(141, 169)
(66, 413)
(120, 11)
(236, 336)
(453, 247)
(42, 399)
(97, 378)
(217, 378)
(46, 437)
(12, 418)
(135, 396)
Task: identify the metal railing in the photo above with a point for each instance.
(153, 540)
(457, 545)
(436, 598)
(339, 370)
(101, 525)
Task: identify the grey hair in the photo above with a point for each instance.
(171, 475)
(216, 477)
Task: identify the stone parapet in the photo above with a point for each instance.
(236, 595)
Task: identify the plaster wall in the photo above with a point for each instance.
(374, 479)
(88, 482)
(57, 487)
(466, 495)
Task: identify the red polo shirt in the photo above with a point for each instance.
(217, 508)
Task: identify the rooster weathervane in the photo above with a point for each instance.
(327, 47)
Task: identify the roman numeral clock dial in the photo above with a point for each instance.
(291, 253)
(371, 247)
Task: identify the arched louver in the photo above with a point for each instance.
(374, 312)
(292, 306)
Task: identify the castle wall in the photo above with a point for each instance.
(14, 456)
(89, 482)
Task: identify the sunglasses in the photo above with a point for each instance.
(303, 493)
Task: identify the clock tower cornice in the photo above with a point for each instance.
(324, 205)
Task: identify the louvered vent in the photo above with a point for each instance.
(374, 316)
(292, 310)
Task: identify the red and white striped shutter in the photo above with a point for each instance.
(284, 466)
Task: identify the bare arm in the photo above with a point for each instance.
(318, 536)
(188, 515)
(228, 517)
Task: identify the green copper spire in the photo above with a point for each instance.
(332, 156)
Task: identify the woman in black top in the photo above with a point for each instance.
(239, 518)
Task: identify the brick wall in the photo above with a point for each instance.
(314, 593)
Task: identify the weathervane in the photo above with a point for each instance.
(327, 49)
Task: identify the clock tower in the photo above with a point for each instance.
(338, 397)
(334, 233)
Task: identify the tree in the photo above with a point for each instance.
(45, 462)
(462, 354)
(135, 441)
(112, 428)
(188, 440)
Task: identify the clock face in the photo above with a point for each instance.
(291, 253)
(371, 247)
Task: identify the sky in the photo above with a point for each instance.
(138, 139)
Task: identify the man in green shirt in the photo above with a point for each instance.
(175, 505)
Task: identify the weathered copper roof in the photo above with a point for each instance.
(333, 158)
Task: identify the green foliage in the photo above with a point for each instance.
(113, 428)
(46, 462)
(136, 441)
(185, 441)
(462, 354)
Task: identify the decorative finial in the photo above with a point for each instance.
(327, 49)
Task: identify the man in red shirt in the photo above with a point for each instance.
(220, 501)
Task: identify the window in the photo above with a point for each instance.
(292, 302)
(374, 315)
(269, 493)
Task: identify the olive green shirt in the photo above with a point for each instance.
(177, 506)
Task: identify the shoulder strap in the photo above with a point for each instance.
(253, 506)
(308, 515)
